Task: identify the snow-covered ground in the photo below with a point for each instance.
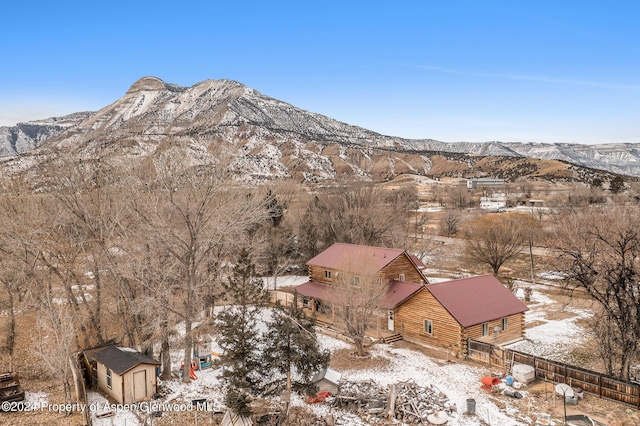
(271, 283)
(458, 381)
(551, 338)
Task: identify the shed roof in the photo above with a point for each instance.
(353, 257)
(327, 374)
(475, 300)
(121, 360)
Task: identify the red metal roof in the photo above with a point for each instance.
(475, 300)
(315, 290)
(417, 261)
(397, 293)
(352, 258)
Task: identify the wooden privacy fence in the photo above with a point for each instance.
(558, 372)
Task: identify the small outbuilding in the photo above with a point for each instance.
(125, 374)
(327, 380)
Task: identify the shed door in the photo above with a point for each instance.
(390, 322)
(139, 385)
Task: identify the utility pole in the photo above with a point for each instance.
(533, 279)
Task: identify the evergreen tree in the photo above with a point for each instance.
(239, 337)
(291, 348)
(616, 185)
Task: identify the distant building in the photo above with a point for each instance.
(493, 202)
(484, 183)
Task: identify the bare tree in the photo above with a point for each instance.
(495, 239)
(356, 298)
(450, 223)
(458, 196)
(357, 214)
(202, 215)
(9, 302)
(600, 254)
(46, 277)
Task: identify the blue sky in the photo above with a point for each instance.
(530, 71)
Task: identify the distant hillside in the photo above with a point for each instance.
(271, 139)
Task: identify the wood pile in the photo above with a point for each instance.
(403, 401)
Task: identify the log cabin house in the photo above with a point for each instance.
(392, 272)
(446, 314)
(443, 314)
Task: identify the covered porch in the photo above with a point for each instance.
(317, 302)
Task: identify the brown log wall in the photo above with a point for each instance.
(410, 316)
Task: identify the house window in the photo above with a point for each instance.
(428, 326)
(109, 378)
(505, 323)
(356, 282)
(401, 278)
(327, 274)
(485, 329)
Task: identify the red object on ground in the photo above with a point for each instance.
(320, 397)
(490, 381)
(193, 373)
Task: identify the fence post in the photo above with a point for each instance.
(600, 385)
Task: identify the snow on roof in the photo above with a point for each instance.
(329, 375)
(475, 300)
(121, 361)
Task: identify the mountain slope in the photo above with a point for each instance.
(268, 138)
(26, 136)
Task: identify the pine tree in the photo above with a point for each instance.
(239, 336)
(291, 348)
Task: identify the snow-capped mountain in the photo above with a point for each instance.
(25, 136)
(266, 137)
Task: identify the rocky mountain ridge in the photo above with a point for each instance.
(268, 138)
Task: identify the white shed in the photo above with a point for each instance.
(327, 381)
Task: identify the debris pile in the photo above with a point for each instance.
(404, 401)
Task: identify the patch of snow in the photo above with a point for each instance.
(284, 281)
(552, 275)
(99, 404)
(434, 280)
(330, 343)
(459, 382)
(36, 399)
